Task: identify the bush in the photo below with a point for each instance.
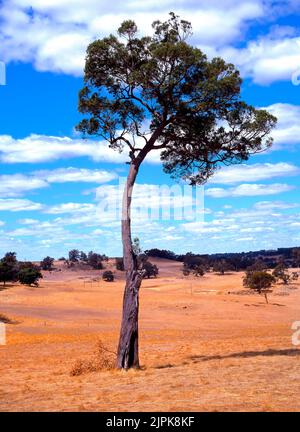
(120, 264)
(280, 273)
(9, 268)
(95, 260)
(29, 275)
(222, 266)
(149, 270)
(260, 281)
(108, 276)
(74, 255)
(196, 269)
(47, 263)
(102, 359)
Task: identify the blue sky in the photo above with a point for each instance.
(51, 179)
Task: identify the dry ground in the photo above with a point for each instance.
(203, 346)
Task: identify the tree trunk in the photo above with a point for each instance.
(128, 350)
(266, 297)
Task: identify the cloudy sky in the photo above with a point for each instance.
(53, 183)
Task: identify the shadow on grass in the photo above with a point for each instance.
(248, 354)
(6, 286)
(6, 320)
(166, 366)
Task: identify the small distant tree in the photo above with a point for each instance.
(222, 266)
(197, 270)
(83, 257)
(95, 260)
(120, 264)
(47, 263)
(62, 259)
(150, 270)
(8, 273)
(29, 274)
(260, 281)
(186, 271)
(296, 257)
(258, 265)
(74, 255)
(280, 273)
(295, 276)
(108, 276)
(9, 268)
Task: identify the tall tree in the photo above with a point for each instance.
(160, 93)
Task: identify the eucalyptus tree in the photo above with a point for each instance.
(159, 93)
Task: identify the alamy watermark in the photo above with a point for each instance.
(2, 333)
(2, 73)
(296, 334)
(151, 202)
(296, 77)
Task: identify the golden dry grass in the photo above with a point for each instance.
(202, 349)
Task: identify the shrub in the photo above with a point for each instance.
(102, 359)
(29, 275)
(74, 255)
(95, 260)
(47, 263)
(108, 276)
(120, 264)
(280, 273)
(9, 268)
(196, 269)
(260, 281)
(222, 266)
(149, 270)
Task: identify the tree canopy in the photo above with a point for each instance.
(159, 92)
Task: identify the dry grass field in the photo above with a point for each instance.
(204, 346)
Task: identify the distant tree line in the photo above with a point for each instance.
(92, 259)
(221, 263)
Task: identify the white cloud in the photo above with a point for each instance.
(268, 59)
(53, 35)
(41, 148)
(64, 175)
(288, 127)
(249, 190)
(272, 205)
(70, 208)
(16, 205)
(254, 172)
(17, 184)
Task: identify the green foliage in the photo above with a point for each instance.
(83, 256)
(74, 255)
(222, 266)
(192, 105)
(47, 263)
(29, 274)
(9, 268)
(280, 273)
(259, 280)
(120, 264)
(296, 256)
(195, 269)
(95, 260)
(108, 276)
(149, 270)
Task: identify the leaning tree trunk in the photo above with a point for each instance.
(128, 349)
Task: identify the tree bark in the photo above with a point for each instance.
(128, 349)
